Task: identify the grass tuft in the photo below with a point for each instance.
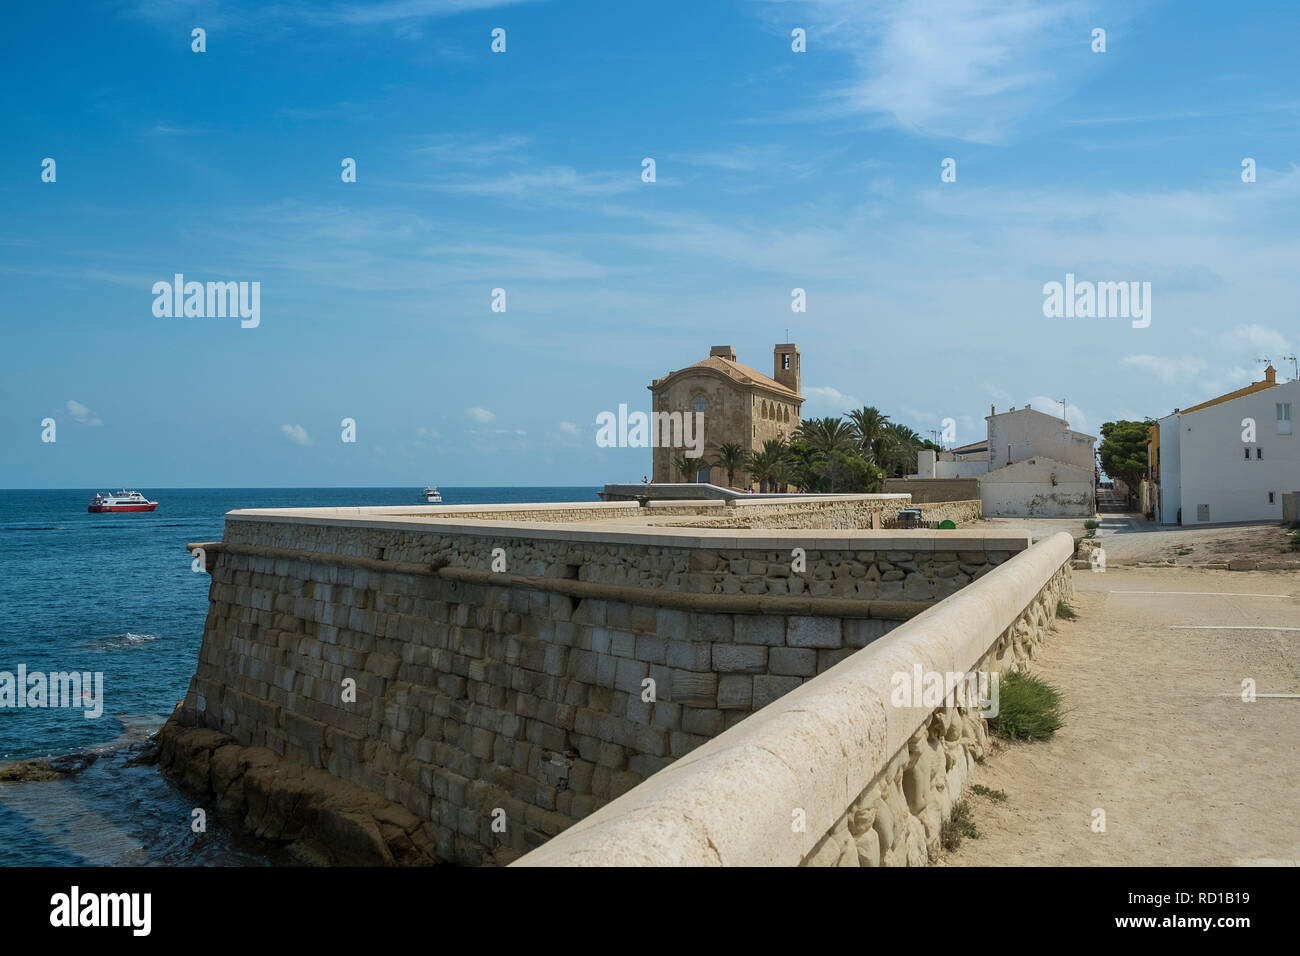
(1028, 708)
(1064, 610)
(957, 827)
(997, 796)
(1092, 524)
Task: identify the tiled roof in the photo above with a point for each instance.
(738, 373)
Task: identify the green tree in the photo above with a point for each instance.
(731, 458)
(850, 473)
(898, 450)
(807, 468)
(769, 465)
(1123, 450)
(826, 435)
(688, 467)
(868, 422)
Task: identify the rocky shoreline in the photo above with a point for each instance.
(324, 820)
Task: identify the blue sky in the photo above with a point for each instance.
(522, 170)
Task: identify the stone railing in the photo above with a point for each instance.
(836, 771)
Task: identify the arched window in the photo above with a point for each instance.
(700, 403)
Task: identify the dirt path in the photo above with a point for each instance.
(1156, 733)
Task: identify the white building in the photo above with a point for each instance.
(1021, 434)
(1209, 470)
(1039, 488)
(1037, 466)
(931, 464)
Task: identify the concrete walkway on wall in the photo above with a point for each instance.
(1156, 733)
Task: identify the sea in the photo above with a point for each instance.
(116, 594)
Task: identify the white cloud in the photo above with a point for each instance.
(425, 432)
(569, 428)
(827, 401)
(1051, 406)
(474, 152)
(480, 415)
(397, 10)
(965, 69)
(544, 184)
(1170, 369)
(80, 413)
(296, 434)
(1267, 342)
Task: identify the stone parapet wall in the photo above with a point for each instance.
(877, 565)
(898, 817)
(934, 490)
(857, 513)
(835, 772)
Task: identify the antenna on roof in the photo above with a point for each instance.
(1295, 366)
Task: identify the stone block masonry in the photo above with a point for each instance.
(836, 772)
(470, 715)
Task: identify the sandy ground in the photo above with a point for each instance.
(1130, 538)
(1156, 733)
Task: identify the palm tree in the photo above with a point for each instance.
(807, 468)
(826, 435)
(731, 458)
(767, 466)
(868, 422)
(900, 450)
(688, 467)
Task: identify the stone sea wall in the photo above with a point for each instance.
(384, 653)
(839, 771)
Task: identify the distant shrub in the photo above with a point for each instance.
(1092, 524)
(1064, 610)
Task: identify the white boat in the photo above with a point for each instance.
(122, 501)
(432, 496)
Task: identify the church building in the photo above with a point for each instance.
(739, 405)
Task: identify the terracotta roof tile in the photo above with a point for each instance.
(739, 373)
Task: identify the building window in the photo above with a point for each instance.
(785, 360)
(1284, 418)
(700, 403)
(1247, 451)
(1259, 453)
(1270, 497)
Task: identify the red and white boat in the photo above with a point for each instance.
(122, 501)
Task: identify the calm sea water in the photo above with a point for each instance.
(115, 593)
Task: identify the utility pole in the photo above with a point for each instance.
(1062, 401)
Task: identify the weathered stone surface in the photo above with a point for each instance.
(798, 661)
